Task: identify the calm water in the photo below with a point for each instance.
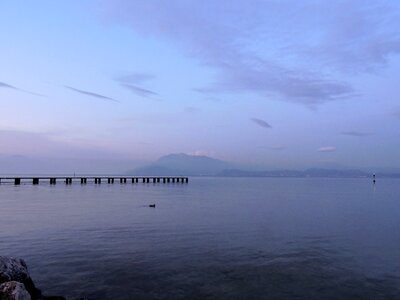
(209, 239)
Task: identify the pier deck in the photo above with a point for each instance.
(17, 180)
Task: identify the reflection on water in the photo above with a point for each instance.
(211, 239)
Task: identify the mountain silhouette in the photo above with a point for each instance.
(184, 164)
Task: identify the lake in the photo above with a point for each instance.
(213, 238)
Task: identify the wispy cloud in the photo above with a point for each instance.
(261, 123)
(277, 148)
(271, 49)
(6, 85)
(91, 94)
(356, 133)
(9, 86)
(132, 81)
(327, 149)
(138, 90)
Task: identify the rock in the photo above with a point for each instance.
(15, 269)
(13, 290)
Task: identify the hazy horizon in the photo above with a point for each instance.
(108, 86)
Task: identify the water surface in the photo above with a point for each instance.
(214, 238)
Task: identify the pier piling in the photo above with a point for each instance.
(96, 179)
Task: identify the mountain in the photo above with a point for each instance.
(193, 165)
(185, 165)
(294, 173)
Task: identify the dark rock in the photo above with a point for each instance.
(152, 205)
(15, 269)
(15, 279)
(13, 290)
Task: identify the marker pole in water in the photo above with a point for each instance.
(373, 179)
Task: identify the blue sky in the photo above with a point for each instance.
(272, 84)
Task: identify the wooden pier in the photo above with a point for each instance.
(93, 179)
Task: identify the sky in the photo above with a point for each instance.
(108, 85)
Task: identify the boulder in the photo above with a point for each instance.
(15, 269)
(13, 290)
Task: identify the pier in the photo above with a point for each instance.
(68, 180)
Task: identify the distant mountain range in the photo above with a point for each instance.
(193, 165)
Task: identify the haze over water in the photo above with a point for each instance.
(214, 238)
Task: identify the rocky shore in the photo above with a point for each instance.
(17, 284)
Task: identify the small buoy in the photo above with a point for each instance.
(152, 205)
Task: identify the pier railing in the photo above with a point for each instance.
(94, 179)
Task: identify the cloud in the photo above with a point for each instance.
(95, 95)
(191, 110)
(327, 149)
(135, 78)
(9, 86)
(138, 90)
(356, 133)
(261, 123)
(38, 152)
(131, 82)
(5, 85)
(17, 142)
(295, 51)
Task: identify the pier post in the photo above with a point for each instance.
(133, 180)
(158, 179)
(148, 180)
(168, 180)
(124, 180)
(144, 180)
(163, 180)
(17, 181)
(52, 181)
(154, 180)
(187, 180)
(68, 180)
(35, 181)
